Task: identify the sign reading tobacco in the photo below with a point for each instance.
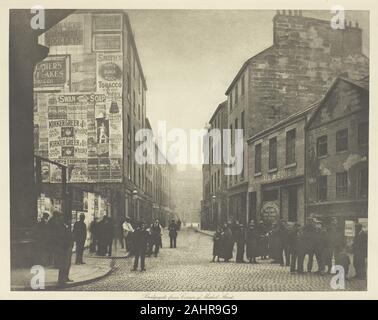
(51, 73)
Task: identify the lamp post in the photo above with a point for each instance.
(213, 199)
(135, 199)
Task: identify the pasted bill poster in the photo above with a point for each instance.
(82, 136)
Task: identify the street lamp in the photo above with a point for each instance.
(213, 198)
(135, 195)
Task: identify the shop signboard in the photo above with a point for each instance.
(270, 211)
(349, 228)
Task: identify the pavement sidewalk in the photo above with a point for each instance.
(206, 232)
(92, 270)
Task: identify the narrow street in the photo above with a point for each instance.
(188, 268)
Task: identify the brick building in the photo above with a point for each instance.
(337, 152)
(303, 61)
(277, 170)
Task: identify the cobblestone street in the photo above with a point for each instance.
(188, 268)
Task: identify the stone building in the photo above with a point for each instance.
(216, 198)
(337, 153)
(303, 61)
(277, 170)
(187, 190)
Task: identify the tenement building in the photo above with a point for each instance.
(306, 56)
(216, 198)
(89, 103)
(337, 153)
(277, 170)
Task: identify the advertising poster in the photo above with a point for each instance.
(83, 72)
(69, 32)
(78, 131)
(52, 73)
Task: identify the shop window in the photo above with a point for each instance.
(258, 158)
(342, 140)
(273, 153)
(363, 133)
(341, 184)
(290, 146)
(322, 188)
(363, 183)
(322, 146)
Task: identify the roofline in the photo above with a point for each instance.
(284, 122)
(220, 106)
(245, 64)
(328, 92)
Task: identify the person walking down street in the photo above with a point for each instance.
(79, 237)
(41, 235)
(141, 236)
(360, 252)
(218, 244)
(252, 245)
(128, 234)
(240, 243)
(228, 242)
(178, 224)
(93, 229)
(172, 234)
(293, 246)
(63, 243)
(155, 236)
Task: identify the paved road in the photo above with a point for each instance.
(188, 268)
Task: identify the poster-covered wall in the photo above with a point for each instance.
(81, 132)
(78, 100)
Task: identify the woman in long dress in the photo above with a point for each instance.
(218, 244)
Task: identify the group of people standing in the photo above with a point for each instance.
(54, 243)
(288, 245)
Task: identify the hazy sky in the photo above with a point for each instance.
(189, 57)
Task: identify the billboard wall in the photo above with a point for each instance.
(78, 101)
